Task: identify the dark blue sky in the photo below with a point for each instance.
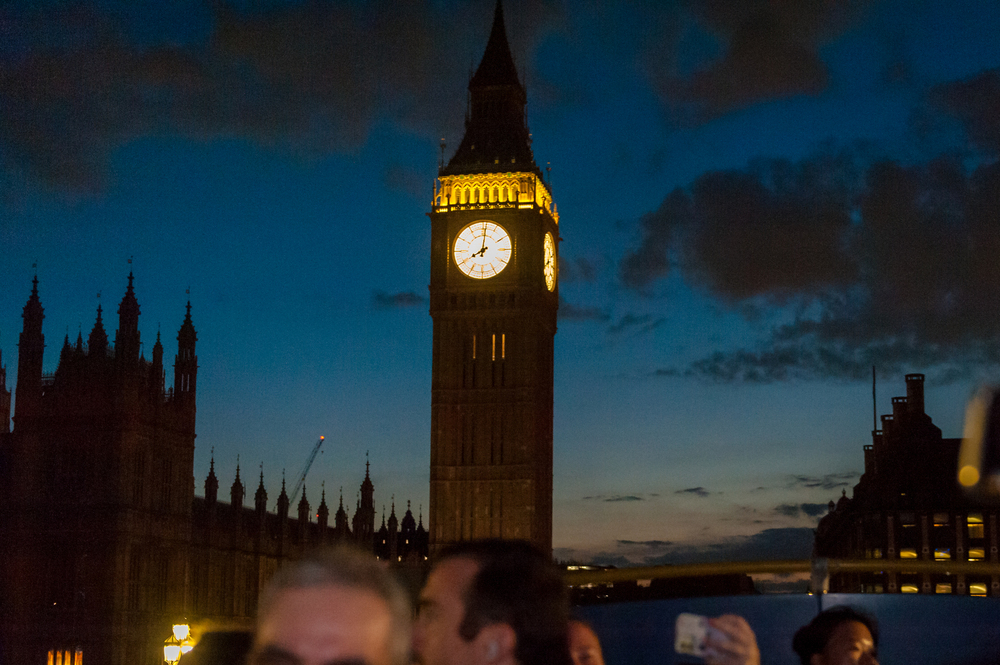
(758, 201)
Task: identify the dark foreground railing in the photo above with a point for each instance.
(921, 629)
(783, 567)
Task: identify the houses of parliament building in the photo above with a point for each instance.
(104, 542)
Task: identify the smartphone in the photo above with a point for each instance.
(690, 633)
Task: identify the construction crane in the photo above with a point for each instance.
(309, 463)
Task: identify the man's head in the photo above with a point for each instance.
(493, 602)
(584, 646)
(333, 606)
(838, 636)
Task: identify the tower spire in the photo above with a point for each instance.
(186, 366)
(31, 347)
(211, 482)
(97, 343)
(496, 133)
(127, 336)
(260, 498)
(497, 66)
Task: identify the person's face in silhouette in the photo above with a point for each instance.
(850, 643)
(584, 647)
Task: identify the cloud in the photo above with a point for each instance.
(646, 543)
(769, 51)
(871, 262)
(775, 543)
(814, 509)
(827, 482)
(697, 491)
(640, 323)
(570, 312)
(774, 229)
(797, 509)
(787, 509)
(383, 300)
(975, 103)
(580, 269)
(407, 180)
(613, 498)
(651, 260)
(79, 80)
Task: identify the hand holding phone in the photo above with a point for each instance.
(723, 640)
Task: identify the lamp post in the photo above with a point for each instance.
(171, 650)
(178, 643)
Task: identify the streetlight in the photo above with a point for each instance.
(178, 643)
(172, 650)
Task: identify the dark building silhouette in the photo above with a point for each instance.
(908, 505)
(104, 544)
(4, 398)
(493, 298)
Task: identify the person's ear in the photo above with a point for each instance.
(495, 644)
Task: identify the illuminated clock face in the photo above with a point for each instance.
(482, 249)
(549, 265)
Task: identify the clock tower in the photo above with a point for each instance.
(493, 298)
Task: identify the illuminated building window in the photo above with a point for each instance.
(877, 553)
(494, 348)
(908, 553)
(977, 553)
(942, 553)
(975, 522)
(944, 587)
(473, 347)
(503, 345)
(977, 589)
(909, 588)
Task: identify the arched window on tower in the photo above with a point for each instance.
(496, 194)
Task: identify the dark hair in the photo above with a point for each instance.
(516, 584)
(814, 636)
